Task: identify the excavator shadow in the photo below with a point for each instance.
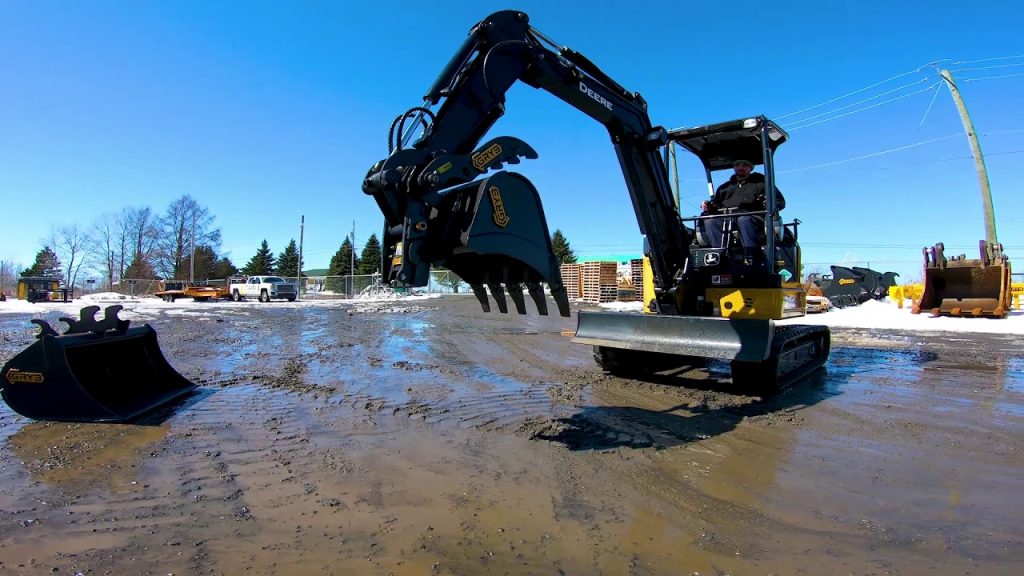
(612, 427)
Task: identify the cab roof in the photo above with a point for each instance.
(719, 145)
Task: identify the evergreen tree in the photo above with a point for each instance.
(341, 262)
(369, 260)
(223, 269)
(560, 246)
(47, 264)
(140, 268)
(288, 261)
(262, 263)
(206, 258)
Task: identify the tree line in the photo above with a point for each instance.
(137, 243)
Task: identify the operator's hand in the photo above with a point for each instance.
(707, 207)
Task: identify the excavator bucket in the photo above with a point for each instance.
(966, 287)
(846, 287)
(493, 234)
(97, 371)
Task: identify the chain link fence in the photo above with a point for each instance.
(312, 287)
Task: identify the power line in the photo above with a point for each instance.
(873, 154)
(866, 108)
(930, 104)
(1016, 65)
(875, 97)
(987, 59)
(858, 91)
(992, 77)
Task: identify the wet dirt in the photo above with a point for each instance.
(434, 439)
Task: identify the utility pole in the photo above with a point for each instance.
(979, 160)
(302, 231)
(192, 259)
(352, 264)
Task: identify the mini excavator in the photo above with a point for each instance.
(447, 201)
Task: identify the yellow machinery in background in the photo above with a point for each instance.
(960, 286)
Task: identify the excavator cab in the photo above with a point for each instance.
(775, 264)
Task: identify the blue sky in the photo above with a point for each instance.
(265, 111)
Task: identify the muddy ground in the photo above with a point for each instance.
(428, 438)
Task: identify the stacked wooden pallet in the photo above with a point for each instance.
(636, 273)
(599, 283)
(571, 279)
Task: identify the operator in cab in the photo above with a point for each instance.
(743, 192)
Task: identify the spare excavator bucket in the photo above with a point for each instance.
(966, 287)
(97, 371)
(493, 234)
(847, 287)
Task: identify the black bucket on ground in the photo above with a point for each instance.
(95, 372)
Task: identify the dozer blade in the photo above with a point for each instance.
(95, 372)
(765, 358)
(965, 287)
(703, 337)
(491, 233)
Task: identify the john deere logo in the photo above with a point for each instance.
(483, 158)
(15, 376)
(845, 281)
(500, 217)
(712, 259)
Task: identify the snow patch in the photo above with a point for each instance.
(885, 315)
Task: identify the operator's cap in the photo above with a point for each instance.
(743, 161)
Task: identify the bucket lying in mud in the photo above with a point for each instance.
(97, 371)
(966, 287)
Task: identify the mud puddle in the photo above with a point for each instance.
(436, 440)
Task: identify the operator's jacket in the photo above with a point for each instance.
(748, 195)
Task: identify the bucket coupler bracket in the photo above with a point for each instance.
(452, 169)
(87, 322)
(44, 328)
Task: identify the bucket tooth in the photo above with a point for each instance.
(537, 294)
(561, 298)
(499, 296)
(481, 296)
(515, 291)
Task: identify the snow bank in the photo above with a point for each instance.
(113, 297)
(885, 316)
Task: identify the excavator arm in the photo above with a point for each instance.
(492, 231)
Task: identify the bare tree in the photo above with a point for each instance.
(185, 224)
(9, 275)
(123, 241)
(103, 246)
(144, 232)
(70, 243)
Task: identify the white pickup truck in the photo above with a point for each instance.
(265, 288)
